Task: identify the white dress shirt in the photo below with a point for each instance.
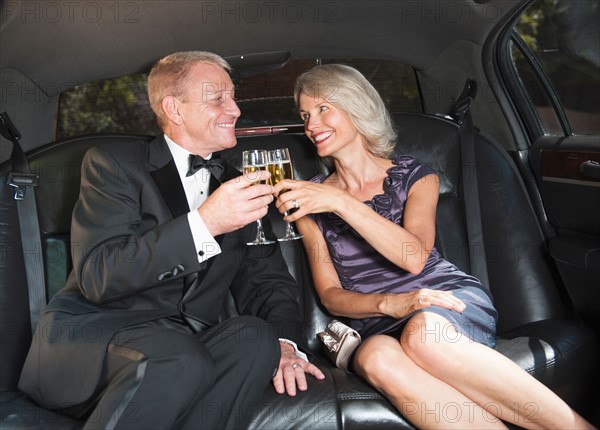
(196, 192)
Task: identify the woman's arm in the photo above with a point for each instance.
(407, 246)
(326, 280)
(350, 304)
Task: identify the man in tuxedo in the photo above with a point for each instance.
(159, 240)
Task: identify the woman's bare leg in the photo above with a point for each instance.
(485, 376)
(424, 400)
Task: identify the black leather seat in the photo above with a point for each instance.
(537, 328)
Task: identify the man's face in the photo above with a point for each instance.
(209, 110)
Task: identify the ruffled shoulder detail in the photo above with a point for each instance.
(382, 203)
(318, 179)
(402, 164)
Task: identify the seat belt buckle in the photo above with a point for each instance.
(21, 181)
(462, 106)
(464, 101)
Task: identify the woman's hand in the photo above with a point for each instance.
(401, 305)
(308, 198)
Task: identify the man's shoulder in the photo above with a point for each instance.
(130, 145)
(123, 150)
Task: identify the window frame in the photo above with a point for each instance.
(519, 94)
(545, 83)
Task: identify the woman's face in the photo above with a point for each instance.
(328, 127)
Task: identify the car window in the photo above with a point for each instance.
(120, 105)
(117, 105)
(555, 51)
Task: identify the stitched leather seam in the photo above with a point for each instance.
(365, 396)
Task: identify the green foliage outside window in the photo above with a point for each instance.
(120, 105)
(564, 36)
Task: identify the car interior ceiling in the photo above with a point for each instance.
(61, 56)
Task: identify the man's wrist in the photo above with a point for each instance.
(205, 243)
(298, 353)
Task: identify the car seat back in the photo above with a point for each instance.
(521, 278)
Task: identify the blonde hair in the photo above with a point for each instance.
(170, 77)
(347, 89)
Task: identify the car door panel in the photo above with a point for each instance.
(566, 170)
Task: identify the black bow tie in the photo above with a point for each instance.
(214, 165)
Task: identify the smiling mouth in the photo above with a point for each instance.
(322, 136)
(226, 125)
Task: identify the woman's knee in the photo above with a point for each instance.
(431, 341)
(375, 358)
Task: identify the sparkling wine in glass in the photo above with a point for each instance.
(252, 162)
(280, 167)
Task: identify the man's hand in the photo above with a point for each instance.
(291, 372)
(236, 203)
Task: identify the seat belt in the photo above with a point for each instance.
(462, 116)
(23, 181)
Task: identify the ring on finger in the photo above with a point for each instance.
(295, 365)
(295, 203)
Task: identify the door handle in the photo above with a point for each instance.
(590, 168)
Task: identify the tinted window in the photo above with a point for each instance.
(562, 37)
(121, 105)
(268, 98)
(536, 93)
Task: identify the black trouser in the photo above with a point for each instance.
(159, 375)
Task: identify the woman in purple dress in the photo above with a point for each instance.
(369, 231)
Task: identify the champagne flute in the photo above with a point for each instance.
(254, 161)
(280, 167)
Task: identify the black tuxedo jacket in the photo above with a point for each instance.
(133, 259)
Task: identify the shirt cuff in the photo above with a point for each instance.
(299, 353)
(205, 243)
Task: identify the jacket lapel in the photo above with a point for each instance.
(166, 177)
(167, 180)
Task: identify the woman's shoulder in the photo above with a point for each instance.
(406, 170)
(403, 163)
(407, 166)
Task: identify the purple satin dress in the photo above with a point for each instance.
(364, 270)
